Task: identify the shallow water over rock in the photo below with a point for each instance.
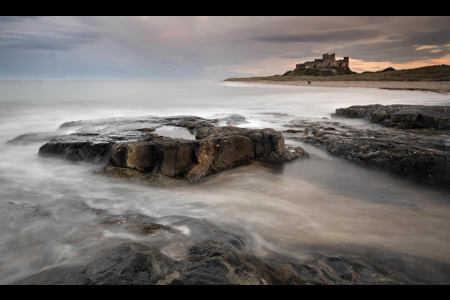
(175, 132)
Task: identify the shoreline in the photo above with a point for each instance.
(442, 87)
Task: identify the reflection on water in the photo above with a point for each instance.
(51, 209)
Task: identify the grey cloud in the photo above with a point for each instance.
(329, 36)
(392, 39)
(440, 37)
(59, 40)
(396, 52)
(187, 45)
(5, 19)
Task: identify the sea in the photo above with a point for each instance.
(47, 206)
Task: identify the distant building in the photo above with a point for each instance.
(327, 61)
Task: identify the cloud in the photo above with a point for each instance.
(39, 33)
(328, 36)
(15, 18)
(374, 39)
(423, 47)
(438, 37)
(57, 41)
(213, 46)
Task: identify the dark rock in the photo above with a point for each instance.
(293, 131)
(146, 129)
(401, 116)
(35, 137)
(131, 175)
(419, 154)
(136, 223)
(372, 267)
(135, 146)
(234, 119)
(129, 263)
(134, 264)
(219, 257)
(77, 151)
(216, 255)
(217, 263)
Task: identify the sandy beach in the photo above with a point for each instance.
(432, 86)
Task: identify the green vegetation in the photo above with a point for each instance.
(388, 69)
(319, 72)
(432, 73)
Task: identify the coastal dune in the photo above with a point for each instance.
(432, 86)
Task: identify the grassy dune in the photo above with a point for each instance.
(432, 73)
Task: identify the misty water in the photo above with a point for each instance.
(48, 206)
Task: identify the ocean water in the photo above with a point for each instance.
(47, 206)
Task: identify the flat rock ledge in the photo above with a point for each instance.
(137, 147)
(422, 155)
(400, 116)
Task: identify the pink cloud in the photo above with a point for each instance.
(359, 65)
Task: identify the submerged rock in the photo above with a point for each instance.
(137, 264)
(224, 258)
(234, 119)
(136, 146)
(30, 138)
(218, 257)
(136, 223)
(401, 116)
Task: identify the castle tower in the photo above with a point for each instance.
(346, 62)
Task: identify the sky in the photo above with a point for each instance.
(216, 47)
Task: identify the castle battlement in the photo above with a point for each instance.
(327, 60)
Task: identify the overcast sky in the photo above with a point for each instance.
(218, 47)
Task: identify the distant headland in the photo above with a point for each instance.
(328, 71)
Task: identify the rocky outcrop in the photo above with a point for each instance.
(87, 151)
(223, 258)
(401, 116)
(422, 155)
(216, 148)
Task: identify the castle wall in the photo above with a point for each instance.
(328, 60)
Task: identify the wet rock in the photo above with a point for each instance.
(234, 119)
(146, 129)
(76, 151)
(215, 149)
(131, 175)
(419, 154)
(217, 255)
(136, 223)
(214, 257)
(137, 264)
(401, 116)
(135, 146)
(371, 267)
(30, 138)
(213, 262)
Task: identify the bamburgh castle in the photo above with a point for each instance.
(327, 66)
(328, 60)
